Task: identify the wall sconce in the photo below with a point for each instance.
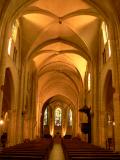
(110, 121)
(113, 123)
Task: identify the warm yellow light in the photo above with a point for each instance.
(89, 80)
(64, 132)
(105, 32)
(109, 49)
(78, 61)
(113, 123)
(1, 122)
(9, 45)
(14, 30)
(71, 58)
(6, 116)
(51, 132)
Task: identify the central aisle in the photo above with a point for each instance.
(57, 152)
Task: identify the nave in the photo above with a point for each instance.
(59, 74)
(57, 152)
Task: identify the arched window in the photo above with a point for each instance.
(109, 49)
(58, 117)
(70, 117)
(9, 45)
(45, 121)
(15, 30)
(13, 36)
(89, 81)
(106, 38)
(105, 32)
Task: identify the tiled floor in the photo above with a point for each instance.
(57, 152)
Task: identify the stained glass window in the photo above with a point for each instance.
(58, 117)
(70, 117)
(106, 37)
(14, 30)
(45, 121)
(105, 32)
(13, 36)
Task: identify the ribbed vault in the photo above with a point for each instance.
(57, 41)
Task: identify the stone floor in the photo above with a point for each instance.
(57, 152)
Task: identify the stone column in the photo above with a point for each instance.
(102, 128)
(12, 127)
(75, 124)
(64, 120)
(25, 126)
(20, 108)
(115, 50)
(95, 106)
(52, 121)
(117, 120)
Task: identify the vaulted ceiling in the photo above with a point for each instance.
(45, 21)
(61, 37)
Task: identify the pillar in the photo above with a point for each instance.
(117, 121)
(12, 127)
(64, 120)
(52, 122)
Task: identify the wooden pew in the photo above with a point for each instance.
(76, 149)
(31, 150)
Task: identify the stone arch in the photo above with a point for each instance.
(8, 102)
(12, 112)
(108, 108)
(21, 9)
(7, 92)
(14, 78)
(60, 38)
(56, 99)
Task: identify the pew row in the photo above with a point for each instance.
(75, 149)
(37, 149)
